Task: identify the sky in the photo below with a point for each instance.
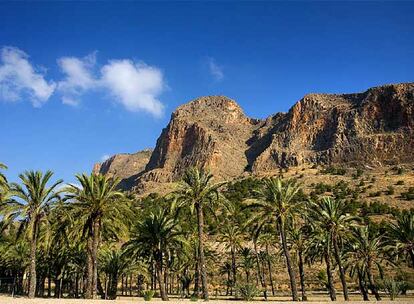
(82, 81)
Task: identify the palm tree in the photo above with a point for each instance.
(98, 209)
(114, 263)
(365, 251)
(32, 204)
(401, 236)
(298, 235)
(320, 248)
(332, 215)
(276, 201)
(152, 238)
(198, 193)
(5, 193)
(231, 234)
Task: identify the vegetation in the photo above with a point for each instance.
(232, 239)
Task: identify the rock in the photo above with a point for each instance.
(370, 128)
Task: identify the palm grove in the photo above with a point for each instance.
(247, 238)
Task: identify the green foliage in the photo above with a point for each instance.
(148, 294)
(248, 292)
(409, 195)
(334, 170)
(392, 287)
(390, 190)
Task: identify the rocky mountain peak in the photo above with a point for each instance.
(373, 127)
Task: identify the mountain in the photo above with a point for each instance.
(373, 128)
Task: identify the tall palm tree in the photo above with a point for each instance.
(232, 235)
(366, 250)
(332, 215)
(298, 236)
(277, 200)
(198, 193)
(31, 206)
(401, 236)
(319, 247)
(98, 209)
(152, 238)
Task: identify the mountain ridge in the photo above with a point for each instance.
(374, 127)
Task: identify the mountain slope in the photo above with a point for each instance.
(371, 128)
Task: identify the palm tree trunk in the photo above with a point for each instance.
(196, 291)
(233, 268)
(372, 282)
(291, 270)
(331, 288)
(203, 272)
(341, 269)
(89, 269)
(95, 246)
(362, 288)
(259, 271)
(161, 278)
(302, 276)
(32, 269)
(269, 268)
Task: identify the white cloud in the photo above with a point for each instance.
(215, 70)
(78, 77)
(135, 85)
(19, 79)
(105, 157)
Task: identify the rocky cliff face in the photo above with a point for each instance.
(124, 166)
(375, 127)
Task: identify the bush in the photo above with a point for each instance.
(390, 190)
(375, 194)
(194, 298)
(409, 195)
(392, 287)
(334, 171)
(148, 294)
(248, 292)
(400, 183)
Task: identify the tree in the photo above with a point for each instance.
(298, 234)
(332, 215)
(231, 234)
(365, 251)
(198, 193)
(276, 201)
(98, 209)
(320, 248)
(401, 236)
(152, 238)
(114, 263)
(31, 206)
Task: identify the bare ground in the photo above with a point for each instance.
(130, 300)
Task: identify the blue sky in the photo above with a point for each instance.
(79, 81)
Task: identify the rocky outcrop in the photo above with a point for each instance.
(124, 167)
(372, 127)
(375, 127)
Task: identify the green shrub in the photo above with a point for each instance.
(334, 170)
(194, 298)
(392, 287)
(409, 195)
(148, 294)
(248, 292)
(390, 190)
